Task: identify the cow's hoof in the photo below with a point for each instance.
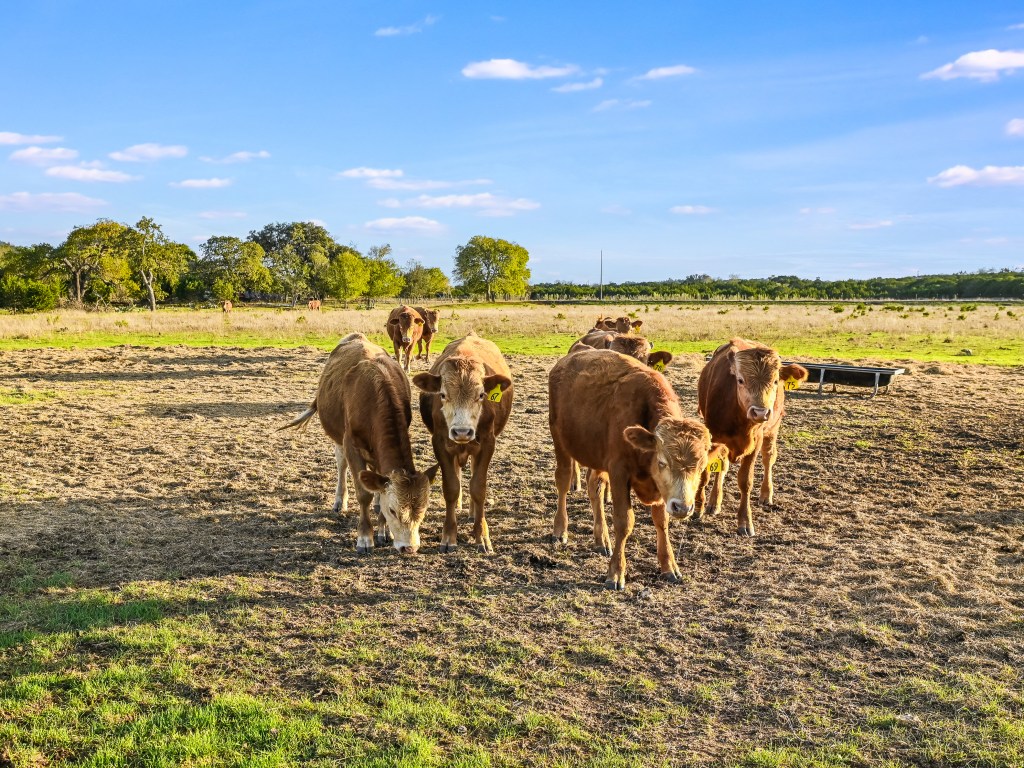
(766, 503)
(446, 548)
(745, 531)
(670, 578)
(606, 551)
(364, 546)
(382, 539)
(485, 547)
(559, 540)
(618, 586)
(336, 509)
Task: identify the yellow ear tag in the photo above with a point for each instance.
(659, 366)
(791, 383)
(495, 394)
(716, 466)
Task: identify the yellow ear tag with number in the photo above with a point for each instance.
(495, 394)
(659, 366)
(716, 465)
(791, 383)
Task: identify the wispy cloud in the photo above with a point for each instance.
(1015, 127)
(7, 137)
(823, 211)
(370, 173)
(487, 203)
(89, 172)
(147, 153)
(989, 176)
(409, 29)
(405, 224)
(871, 224)
(692, 210)
(71, 202)
(1016, 26)
(222, 215)
(510, 69)
(607, 104)
(43, 156)
(616, 210)
(238, 157)
(417, 185)
(597, 82)
(202, 183)
(986, 66)
(660, 73)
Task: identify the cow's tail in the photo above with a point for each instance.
(300, 420)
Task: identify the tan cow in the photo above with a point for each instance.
(627, 344)
(314, 305)
(225, 306)
(741, 395)
(364, 406)
(465, 402)
(617, 416)
(618, 324)
(405, 327)
(429, 329)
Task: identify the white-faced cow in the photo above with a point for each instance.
(405, 326)
(615, 415)
(741, 395)
(465, 402)
(429, 329)
(364, 406)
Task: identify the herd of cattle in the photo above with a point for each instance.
(610, 410)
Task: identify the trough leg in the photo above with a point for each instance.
(745, 477)
(769, 454)
(622, 516)
(666, 559)
(478, 497)
(595, 490)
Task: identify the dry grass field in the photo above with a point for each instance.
(174, 589)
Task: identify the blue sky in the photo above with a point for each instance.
(875, 138)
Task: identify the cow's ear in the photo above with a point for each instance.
(718, 451)
(658, 360)
(432, 473)
(731, 358)
(428, 382)
(640, 438)
(793, 371)
(497, 380)
(371, 481)
(418, 321)
(636, 324)
(393, 321)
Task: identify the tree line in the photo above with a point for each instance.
(109, 263)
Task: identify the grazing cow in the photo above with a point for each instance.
(405, 326)
(615, 415)
(627, 344)
(619, 324)
(429, 329)
(314, 304)
(225, 306)
(740, 397)
(364, 406)
(465, 402)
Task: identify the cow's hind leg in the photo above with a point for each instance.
(666, 559)
(595, 490)
(769, 454)
(714, 505)
(478, 498)
(622, 515)
(341, 492)
(563, 477)
(577, 484)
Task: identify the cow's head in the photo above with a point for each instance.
(430, 318)
(403, 502)
(625, 325)
(403, 322)
(759, 373)
(678, 452)
(464, 388)
(640, 348)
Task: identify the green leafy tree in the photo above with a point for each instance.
(229, 267)
(385, 278)
(492, 266)
(95, 261)
(423, 281)
(298, 255)
(155, 258)
(348, 275)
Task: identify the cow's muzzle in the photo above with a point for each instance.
(678, 509)
(759, 414)
(407, 339)
(462, 434)
(408, 550)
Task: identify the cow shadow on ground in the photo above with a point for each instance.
(223, 410)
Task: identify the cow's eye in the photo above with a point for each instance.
(739, 380)
(482, 395)
(443, 396)
(662, 464)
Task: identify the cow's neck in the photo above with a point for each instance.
(389, 439)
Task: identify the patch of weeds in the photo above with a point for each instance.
(25, 396)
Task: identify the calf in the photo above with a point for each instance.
(429, 329)
(618, 324)
(364, 406)
(314, 304)
(615, 415)
(405, 326)
(225, 306)
(740, 397)
(465, 401)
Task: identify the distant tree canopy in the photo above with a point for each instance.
(490, 266)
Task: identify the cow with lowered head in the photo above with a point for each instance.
(405, 327)
(741, 394)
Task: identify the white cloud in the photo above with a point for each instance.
(607, 104)
(202, 183)
(806, 211)
(989, 176)
(871, 224)
(417, 185)
(88, 172)
(660, 73)
(43, 156)
(222, 215)
(616, 210)
(692, 210)
(1016, 26)
(26, 202)
(318, 222)
(489, 204)
(979, 65)
(238, 157)
(405, 224)
(1015, 127)
(7, 137)
(510, 69)
(370, 173)
(597, 82)
(410, 29)
(146, 153)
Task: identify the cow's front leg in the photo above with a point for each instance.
(769, 454)
(383, 535)
(576, 483)
(364, 529)
(715, 502)
(427, 358)
(622, 516)
(745, 478)
(595, 490)
(341, 491)
(408, 357)
(563, 477)
(666, 559)
(451, 488)
(478, 496)
(398, 351)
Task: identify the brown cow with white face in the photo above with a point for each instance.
(465, 401)
(429, 329)
(741, 395)
(620, 418)
(405, 326)
(618, 324)
(364, 406)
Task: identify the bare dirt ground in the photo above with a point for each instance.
(879, 609)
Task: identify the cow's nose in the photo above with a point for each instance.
(678, 509)
(760, 414)
(461, 434)
(406, 339)
(407, 550)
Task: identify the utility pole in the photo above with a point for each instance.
(602, 276)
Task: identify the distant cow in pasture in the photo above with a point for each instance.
(225, 306)
(741, 395)
(405, 327)
(618, 324)
(429, 329)
(626, 344)
(314, 305)
(465, 401)
(364, 405)
(615, 415)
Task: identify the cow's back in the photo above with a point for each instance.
(352, 374)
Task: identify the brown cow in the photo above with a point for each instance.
(405, 326)
(627, 344)
(314, 304)
(623, 420)
(618, 324)
(429, 329)
(739, 396)
(465, 402)
(225, 306)
(364, 406)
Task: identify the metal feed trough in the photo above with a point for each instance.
(850, 376)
